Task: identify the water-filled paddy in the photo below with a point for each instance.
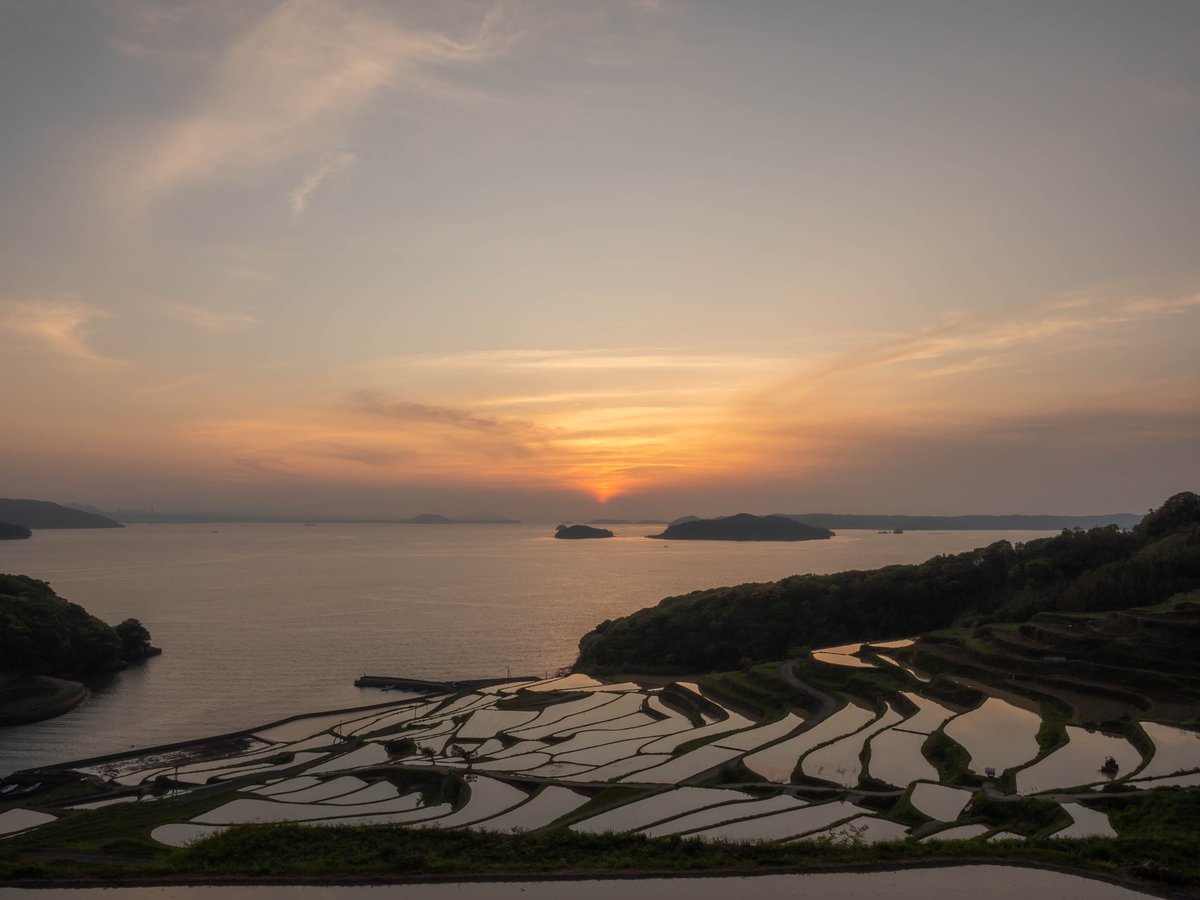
(839, 762)
(1085, 823)
(14, 820)
(997, 735)
(1078, 763)
(958, 833)
(706, 818)
(764, 734)
(896, 758)
(929, 715)
(863, 829)
(489, 797)
(939, 801)
(777, 762)
(307, 789)
(666, 805)
(783, 825)
(550, 803)
(1175, 750)
(680, 767)
(840, 659)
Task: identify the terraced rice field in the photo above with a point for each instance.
(1078, 763)
(839, 761)
(1175, 750)
(540, 751)
(997, 735)
(777, 762)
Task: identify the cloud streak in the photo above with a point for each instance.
(328, 167)
(59, 325)
(218, 321)
(292, 84)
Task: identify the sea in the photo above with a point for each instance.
(259, 622)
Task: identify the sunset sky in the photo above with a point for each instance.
(601, 258)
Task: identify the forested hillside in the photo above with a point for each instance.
(723, 628)
(43, 634)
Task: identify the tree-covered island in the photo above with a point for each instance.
(50, 646)
(743, 527)
(580, 532)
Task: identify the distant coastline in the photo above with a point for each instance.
(962, 523)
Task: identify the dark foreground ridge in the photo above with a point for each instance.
(743, 527)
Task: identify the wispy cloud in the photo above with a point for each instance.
(966, 343)
(59, 325)
(590, 359)
(221, 321)
(292, 84)
(375, 404)
(327, 167)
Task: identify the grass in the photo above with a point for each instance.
(950, 758)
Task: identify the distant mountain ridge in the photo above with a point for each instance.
(42, 514)
(151, 517)
(964, 523)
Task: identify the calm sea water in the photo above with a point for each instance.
(259, 622)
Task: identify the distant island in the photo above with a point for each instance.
(49, 645)
(580, 532)
(963, 523)
(743, 527)
(42, 514)
(11, 532)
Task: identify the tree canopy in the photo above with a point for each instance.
(1098, 569)
(43, 634)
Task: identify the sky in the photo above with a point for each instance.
(622, 258)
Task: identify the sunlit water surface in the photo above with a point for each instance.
(259, 622)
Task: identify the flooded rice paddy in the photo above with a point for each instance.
(533, 756)
(778, 762)
(839, 761)
(997, 735)
(1078, 763)
(952, 883)
(896, 758)
(1175, 750)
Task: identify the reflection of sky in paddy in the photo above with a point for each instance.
(1175, 750)
(839, 762)
(666, 805)
(997, 735)
(896, 758)
(777, 762)
(1078, 762)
